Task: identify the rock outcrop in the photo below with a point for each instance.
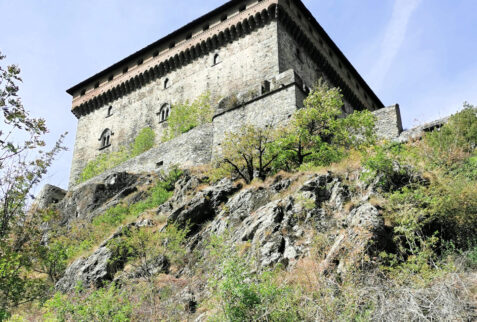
(89, 200)
(276, 221)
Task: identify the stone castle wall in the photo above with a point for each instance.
(242, 63)
(259, 73)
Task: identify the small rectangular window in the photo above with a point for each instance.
(172, 45)
(140, 61)
(206, 27)
(242, 8)
(125, 70)
(224, 17)
(265, 87)
(189, 36)
(83, 92)
(96, 85)
(155, 54)
(111, 77)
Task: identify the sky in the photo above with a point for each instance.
(418, 53)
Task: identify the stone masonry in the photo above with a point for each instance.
(257, 59)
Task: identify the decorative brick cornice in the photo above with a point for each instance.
(209, 40)
(225, 32)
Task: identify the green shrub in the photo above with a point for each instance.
(102, 163)
(87, 235)
(184, 117)
(105, 304)
(318, 134)
(455, 141)
(143, 142)
(245, 294)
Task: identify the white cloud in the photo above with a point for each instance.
(393, 39)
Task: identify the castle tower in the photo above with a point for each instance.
(266, 54)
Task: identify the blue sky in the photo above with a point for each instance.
(418, 53)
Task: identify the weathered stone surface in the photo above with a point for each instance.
(49, 195)
(366, 217)
(90, 199)
(247, 60)
(157, 265)
(92, 271)
(191, 148)
(203, 207)
(388, 122)
(364, 227)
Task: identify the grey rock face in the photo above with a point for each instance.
(366, 217)
(49, 195)
(91, 271)
(203, 207)
(159, 264)
(90, 200)
(273, 227)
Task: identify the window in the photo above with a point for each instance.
(223, 18)
(110, 111)
(105, 139)
(167, 83)
(189, 36)
(216, 59)
(172, 45)
(242, 8)
(125, 70)
(164, 112)
(265, 88)
(155, 54)
(140, 61)
(83, 92)
(96, 85)
(110, 77)
(206, 27)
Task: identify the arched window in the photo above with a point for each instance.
(110, 111)
(167, 83)
(105, 139)
(216, 59)
(164, 112)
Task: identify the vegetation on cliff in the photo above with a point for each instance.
(23, 163)
(188, 115)
(143, 142)
(316, 221)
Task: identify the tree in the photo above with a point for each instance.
(23, 163)
(319, 133)
(247, 152)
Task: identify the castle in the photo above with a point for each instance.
(257, 58)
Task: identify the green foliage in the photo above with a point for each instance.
(245, 294)
(105, 304)
(317, 134)
(23, 163)
(455, 140)
(184, 117)
(84, 237)
(52, 259)
(147, 244)
(143, 142)
(383, 162)
(247, 152)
